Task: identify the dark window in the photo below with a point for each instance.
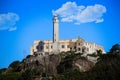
(79, 49)
(78, 43)
(47, 47)
(55, 20)
(68, 46)
(41, 47)
(74, 47)
(51, 47)
(83, 50)
(63, 46)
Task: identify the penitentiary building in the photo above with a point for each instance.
(79, 45)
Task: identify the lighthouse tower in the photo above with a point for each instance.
(55, 34)
(55, 29)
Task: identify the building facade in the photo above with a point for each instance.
(79, 45)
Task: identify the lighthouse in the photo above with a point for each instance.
(55, 34)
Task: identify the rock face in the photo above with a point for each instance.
(50, 64)
(47, 64)
(83, 65)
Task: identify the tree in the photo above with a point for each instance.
(3, 70)
(14, 65)
(10, 76)
(99, 52)
(115, 49)
(27, 75)
(28, 56)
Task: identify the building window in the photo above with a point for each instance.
(51, 47)
(79, 49)
(83, 50)
(63, 46)
(79, 44)
(74, 47)
(68, 46)
(87, 49)
(41, 48)
(47, 47)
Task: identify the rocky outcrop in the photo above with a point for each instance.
(47, 64)
(52, 64)
(83, 65)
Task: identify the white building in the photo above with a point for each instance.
(56, 46)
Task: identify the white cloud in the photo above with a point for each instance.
(71, 12)
(8, 21)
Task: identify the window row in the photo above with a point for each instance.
(62, 46)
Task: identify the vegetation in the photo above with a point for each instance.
(10, 76)
(14, 66)
(28, 75)
(115, 49)
(107, 68)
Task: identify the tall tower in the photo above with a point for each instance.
(55, 29)
(56, 34)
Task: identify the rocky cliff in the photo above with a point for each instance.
(47, 64)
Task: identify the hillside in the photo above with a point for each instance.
(66, 66)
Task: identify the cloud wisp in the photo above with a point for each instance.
(8, 21)
(71, 12)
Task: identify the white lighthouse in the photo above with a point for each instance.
(55, 34)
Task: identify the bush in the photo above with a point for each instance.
(10, 76)
(15, 66)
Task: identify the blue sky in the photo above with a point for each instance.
(23, 21)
